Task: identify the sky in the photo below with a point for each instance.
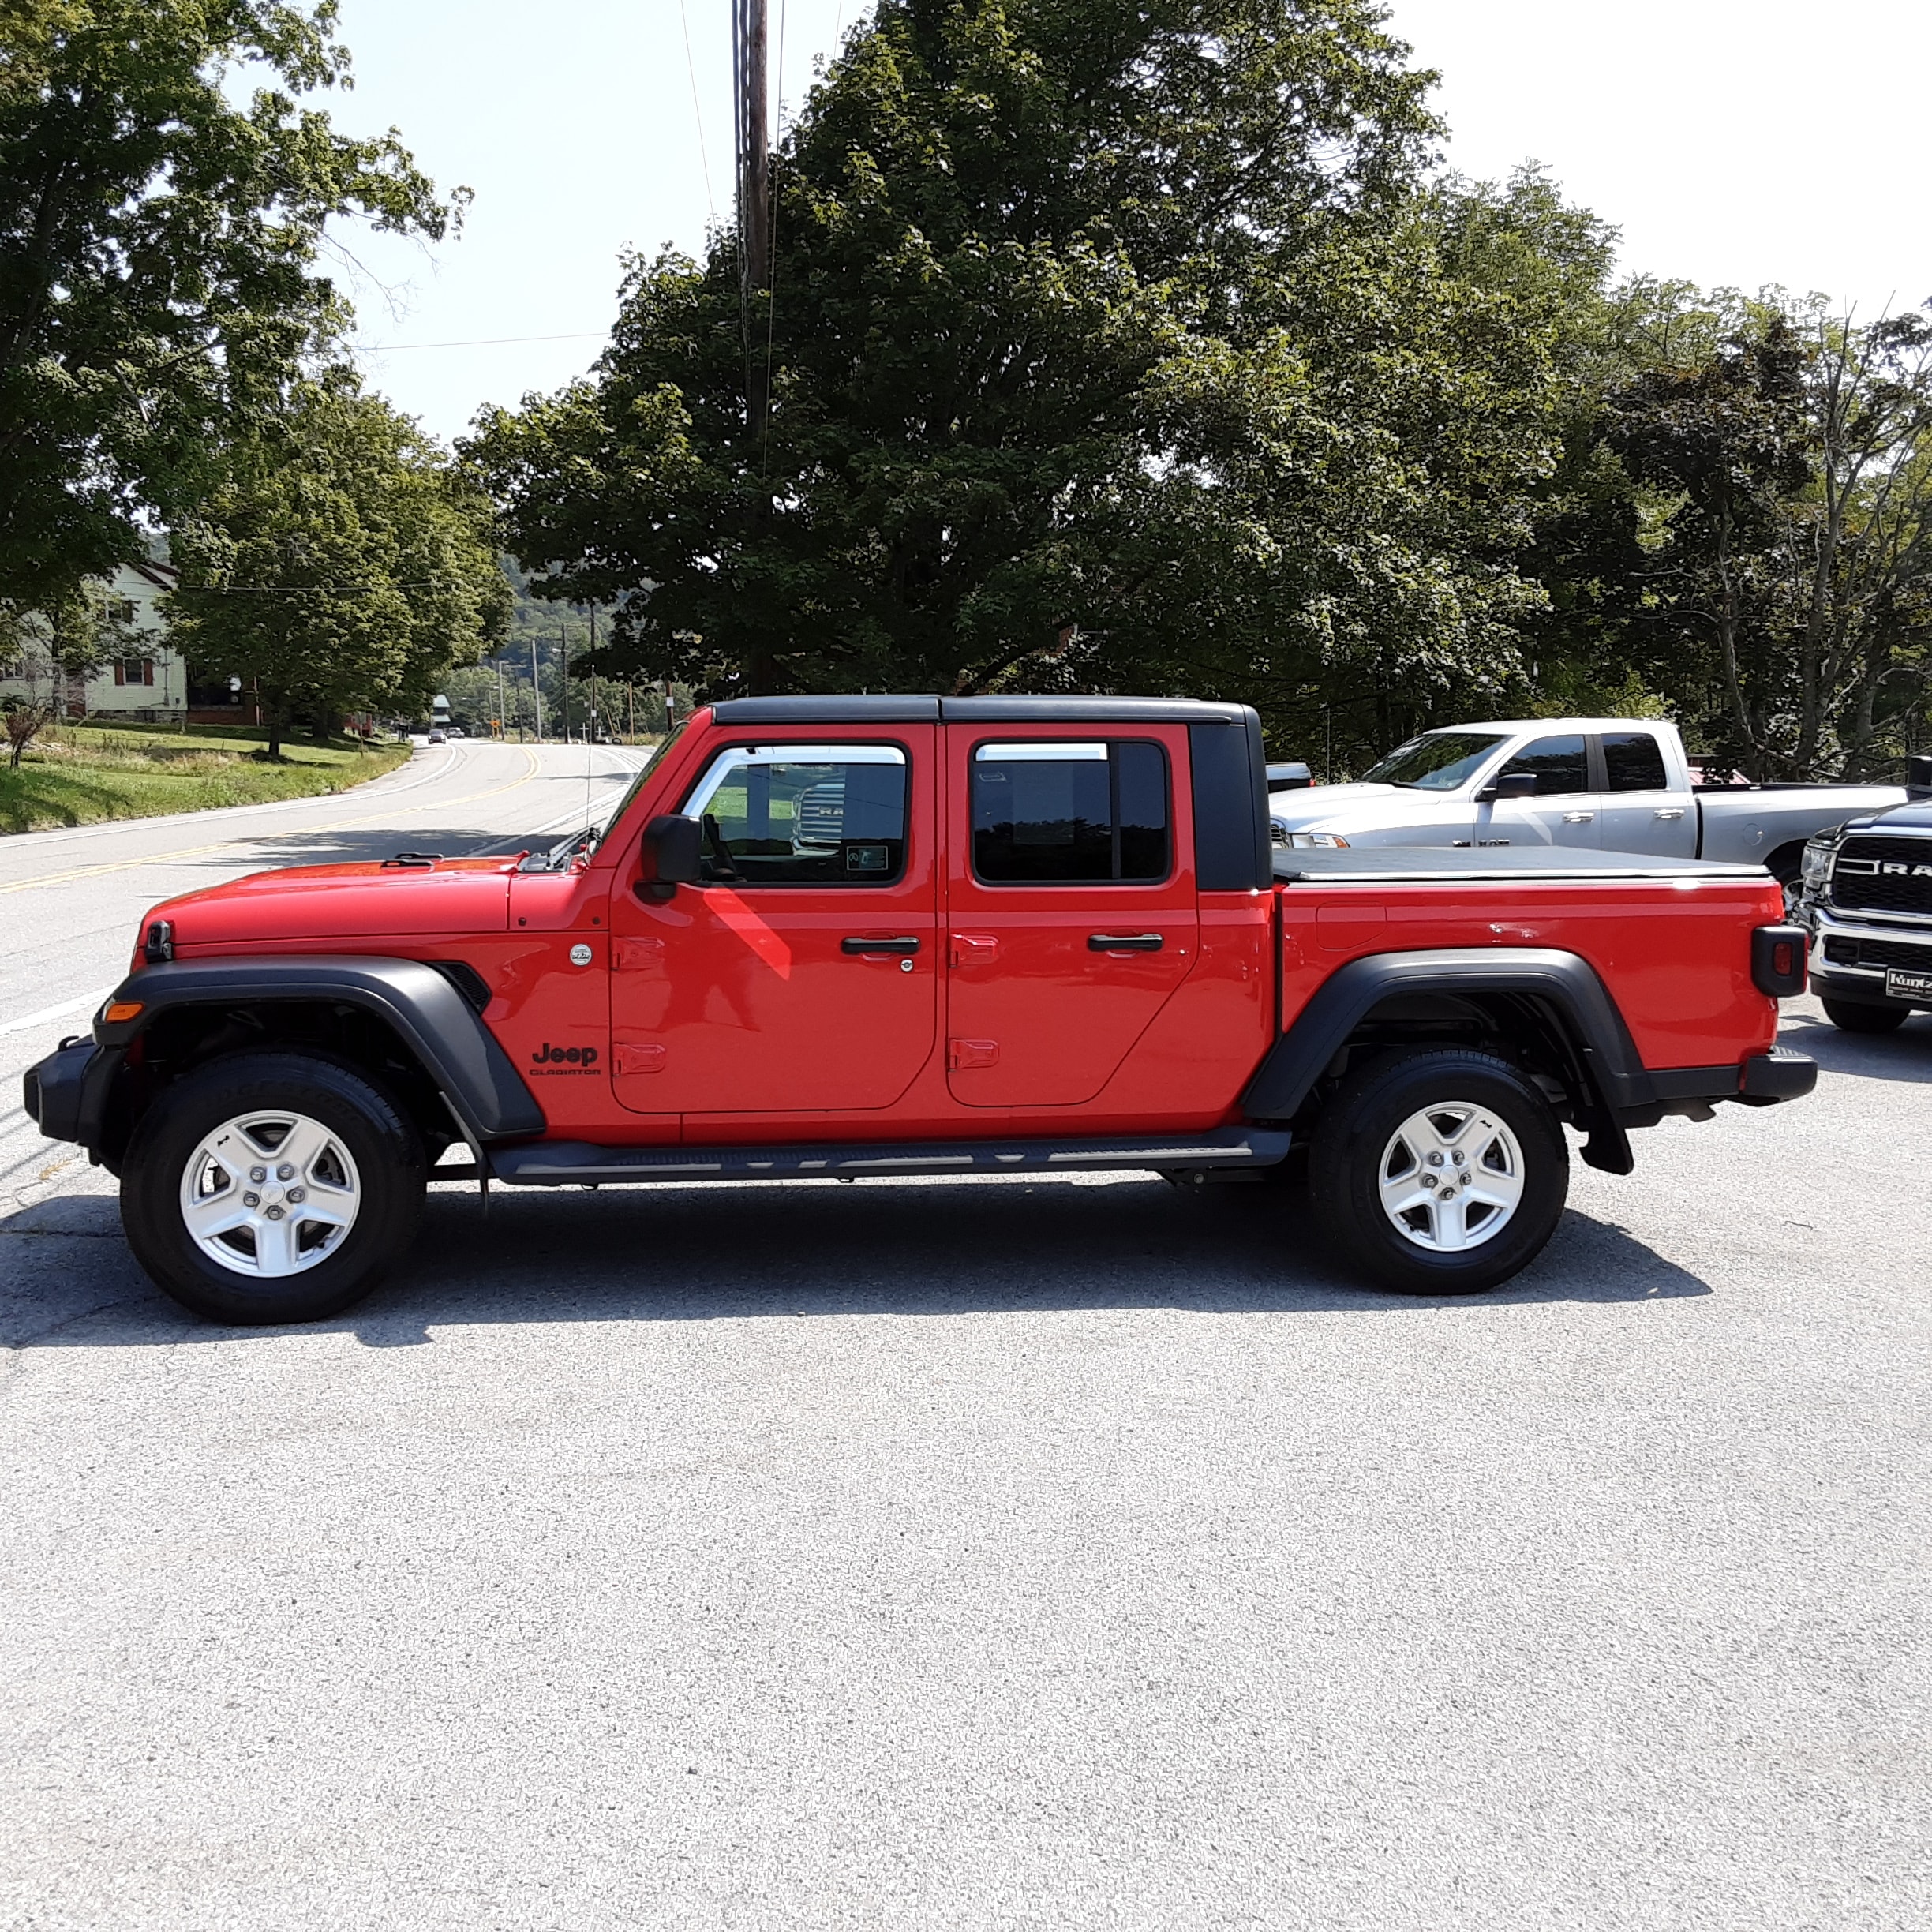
(1734, 143)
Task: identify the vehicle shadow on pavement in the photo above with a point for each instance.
(1905, 1055)
(869, 1247)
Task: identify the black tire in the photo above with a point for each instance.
(1856, 1016)
(389, 1170)
(1355, 1131)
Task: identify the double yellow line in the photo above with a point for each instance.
(338, 824)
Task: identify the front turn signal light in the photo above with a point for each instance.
(123, 1009)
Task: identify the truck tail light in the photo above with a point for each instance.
(1778, 961)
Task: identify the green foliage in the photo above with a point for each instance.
(341, 564)
(158, 252)
(1749, 530)
(1110, 347)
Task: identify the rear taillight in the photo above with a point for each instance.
(1778, 961)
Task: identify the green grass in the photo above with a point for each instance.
(81, 774)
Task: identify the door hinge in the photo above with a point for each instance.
(972, 1053)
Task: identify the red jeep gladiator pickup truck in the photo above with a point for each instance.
(830, 936)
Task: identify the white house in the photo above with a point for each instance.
(149, 682)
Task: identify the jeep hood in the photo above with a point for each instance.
(333, 902)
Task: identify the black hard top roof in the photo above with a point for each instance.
(1443, 865)
(917, 709)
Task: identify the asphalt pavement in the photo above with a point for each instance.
(982, 1554)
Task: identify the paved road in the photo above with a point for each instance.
(71, 902)
(989, 1554)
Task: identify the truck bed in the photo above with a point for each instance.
(1440, 865)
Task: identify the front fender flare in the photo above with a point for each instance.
(418, 1003)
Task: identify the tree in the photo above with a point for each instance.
(158, 252)
(1785, 594)
(342, 562)
(1106, 349)
(23, 720)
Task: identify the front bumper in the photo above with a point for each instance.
(1850, 957)
(52, 1089)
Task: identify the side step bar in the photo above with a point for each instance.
(576, 1164)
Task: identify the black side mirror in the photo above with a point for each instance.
(668, 857)
(1919, 777)
(1511, 785)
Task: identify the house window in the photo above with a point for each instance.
(121, 610)
(134, 670)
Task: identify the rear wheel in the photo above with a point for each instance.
(1439, 1173)
(1856, 1016)
(271, 1188)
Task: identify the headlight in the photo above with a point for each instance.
(1818, 863)
(1319, 841)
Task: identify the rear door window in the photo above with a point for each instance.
(1092, 812)
(804, 815)
(1634, 762)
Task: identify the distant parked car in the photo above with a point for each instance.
(435, 737)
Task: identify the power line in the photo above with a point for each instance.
(394, 583)
(690, 67)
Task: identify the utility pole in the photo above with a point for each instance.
(563, 653)
(749, 39)
(536, 687)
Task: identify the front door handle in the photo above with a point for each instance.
(1124, 943)
(907, 944)
(1578, 818)
(1670, 812)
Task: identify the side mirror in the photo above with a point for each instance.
(668, 857)
(1511, 785)
(1919, 777)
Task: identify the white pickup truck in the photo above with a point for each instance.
(1613, 784)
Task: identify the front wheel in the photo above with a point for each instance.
(271, 1187)
(1856, 1016)
(1439, 1173)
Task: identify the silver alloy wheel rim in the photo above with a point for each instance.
(1452, 1177)
(270, 1194)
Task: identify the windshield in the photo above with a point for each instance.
(1436, 761)
(554, 858)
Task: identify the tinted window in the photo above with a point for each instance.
(1069, 813)
(811, 815)
(1634, 763)
(1559, 764)
(1436, 761)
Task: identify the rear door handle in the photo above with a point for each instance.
(1578, 818)
(1124, 943)
(1670, 812)
(906, 944)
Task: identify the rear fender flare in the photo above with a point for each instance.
(419, 1004)
(1566, 985)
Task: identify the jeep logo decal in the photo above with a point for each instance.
(547, 1055)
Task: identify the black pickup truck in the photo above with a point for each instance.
(1867, 901)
